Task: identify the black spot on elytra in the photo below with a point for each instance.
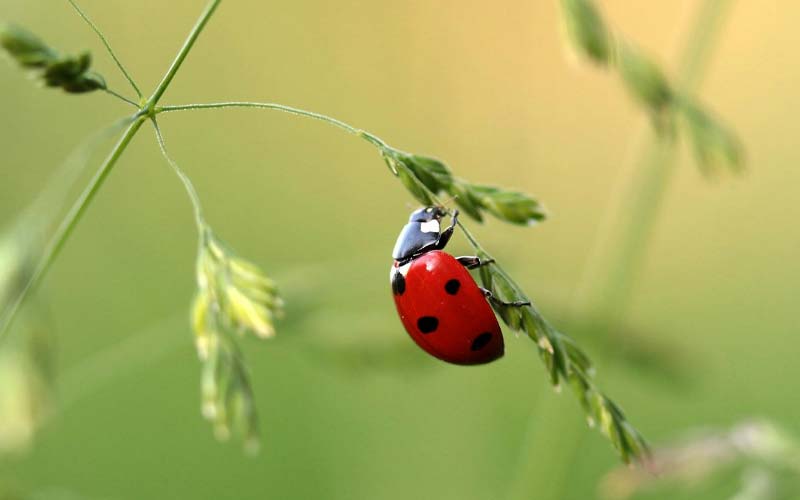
(427, 324)
(481, 341)
(398, 283)
(452, 286)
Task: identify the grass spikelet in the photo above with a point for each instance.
(233, 298)
(70, 73)
(714, 144)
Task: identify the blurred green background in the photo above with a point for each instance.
(350, 407)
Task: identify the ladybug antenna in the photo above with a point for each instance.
(447, 201)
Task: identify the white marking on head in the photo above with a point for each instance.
(430, 226)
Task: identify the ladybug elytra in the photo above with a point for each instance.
(444, 311)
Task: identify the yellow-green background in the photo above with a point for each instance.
(350, 408)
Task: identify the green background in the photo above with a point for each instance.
(350, 407)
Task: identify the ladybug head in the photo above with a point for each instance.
(422, 231)
(427, 214)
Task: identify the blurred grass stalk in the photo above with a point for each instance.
(618, 252)
(623, 239)
(26, 378)
(26, 364)
(761, 449)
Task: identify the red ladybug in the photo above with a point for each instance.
(440, 305)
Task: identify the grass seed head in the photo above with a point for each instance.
(70, 73)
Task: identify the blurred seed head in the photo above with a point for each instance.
(19, 248)
(227, 396)
(587, 31)
(644, 79)
(26, 387)
(703, 454)
(25, 47)
(70, 73)
(714, 145)
(14, 268)
(18, 419)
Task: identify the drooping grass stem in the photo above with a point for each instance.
(374, 140)
(187, 183)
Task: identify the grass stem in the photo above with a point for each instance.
(108, 48)
(621, 246)
(187, 183)
(374, 140)
(69, 223)
(182, 53)
(120, 97)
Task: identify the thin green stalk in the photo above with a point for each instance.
(120, 97)
(187, 183)
(53, 196)
(374, 140)
(472, 241)
(182, 53)
(654, 166)
(108, 48)
(69, 223)
(700, 43)
(35, 222)
(651, 178)
(545, 451)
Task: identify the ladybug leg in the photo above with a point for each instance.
(444, 238)
(472, 262)
(489, 295)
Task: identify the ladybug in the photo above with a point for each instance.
(442, 308)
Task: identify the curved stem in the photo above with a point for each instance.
(108, 47)
(372, 139)
(187, 183)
